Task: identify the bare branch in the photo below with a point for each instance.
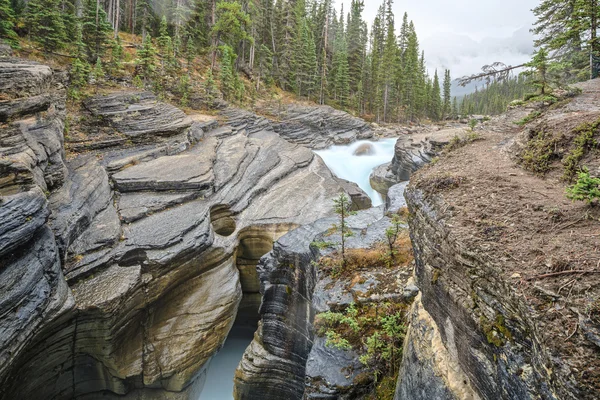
(493, 72)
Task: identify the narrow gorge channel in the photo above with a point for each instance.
(353, 162)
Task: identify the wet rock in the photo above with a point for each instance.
(365, 149)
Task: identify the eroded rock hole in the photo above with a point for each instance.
(254, 243)
(222, 220)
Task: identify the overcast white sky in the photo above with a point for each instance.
(464, 35)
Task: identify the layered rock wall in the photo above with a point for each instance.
(123, 267)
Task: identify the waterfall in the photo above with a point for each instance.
(356, 161)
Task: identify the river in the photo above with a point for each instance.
(345, 163)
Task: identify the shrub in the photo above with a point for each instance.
(583, 143)
(586, 188)
(530, 117)
(538, 154)
(472, 124)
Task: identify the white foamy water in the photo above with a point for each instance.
(357, 168)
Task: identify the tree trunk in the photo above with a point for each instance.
(117, 17)
(594, 27)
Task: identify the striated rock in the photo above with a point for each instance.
(318, 127)
(283, 360)
(411, 153)
(86, 193)
(492, 320)
(138, 115)
(23, 79)
(33, 291)
(158, 240)
(332, 373)
(21, 216)
(410, 156)
(31, 142)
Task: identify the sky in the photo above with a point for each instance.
(464, 35)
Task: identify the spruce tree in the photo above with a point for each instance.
(436, 100)
(447, 99)
(539, 70)
(78, 75)
(146, 60)
(116, 59)
(7, 24)
(356, 44)
(390, 57)
(165, 44)
(226, 74)
(45, 23)
(96, 30)
(196, 26)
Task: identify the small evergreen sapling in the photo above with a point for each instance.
(391, 234)
(586, 188)
(342, 208)
(146, 61)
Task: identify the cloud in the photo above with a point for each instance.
(464, 55)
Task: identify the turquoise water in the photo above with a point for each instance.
(219, 379)
(342, 161)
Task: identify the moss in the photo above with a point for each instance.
(495, 331)
(288, 290)
(436, 275)
(583, 143)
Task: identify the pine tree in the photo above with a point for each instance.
(231, 26)
(116, 59)
(447, 95)
(146, 60)
(342, 207)
(46, 25)
(539, 70)
(96, 30)
(567, 29)
(7, 24)
(436, 100)
(226, 74)
(79, 73)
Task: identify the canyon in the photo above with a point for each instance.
(134, 237)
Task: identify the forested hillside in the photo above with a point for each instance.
(301, 46)
(494, 97)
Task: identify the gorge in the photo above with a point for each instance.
(135, 238)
